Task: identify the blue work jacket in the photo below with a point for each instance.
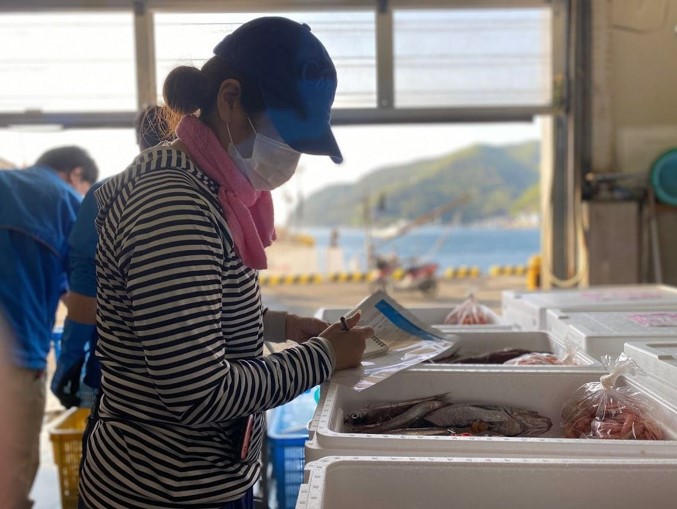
(37, 212)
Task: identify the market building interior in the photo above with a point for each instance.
(591, 82)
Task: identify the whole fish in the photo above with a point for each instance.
(486, 419)
(380, 412)
(402, 420)
(496, 357)
(423, 432)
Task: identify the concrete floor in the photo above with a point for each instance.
(45, 491)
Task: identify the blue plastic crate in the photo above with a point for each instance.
(57, 332)
(287, 435)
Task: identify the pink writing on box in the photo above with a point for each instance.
(655, 319)
(619, 295)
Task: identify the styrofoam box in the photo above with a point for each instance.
(429, 315)
(474, 343)
(539, 390)
(527, 310)
(606, 332)
(657, 358)
(488, 483)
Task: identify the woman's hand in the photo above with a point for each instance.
(348, 344)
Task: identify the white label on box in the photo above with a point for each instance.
(621, 295)
(655, 319)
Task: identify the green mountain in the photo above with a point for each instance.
(497, 180)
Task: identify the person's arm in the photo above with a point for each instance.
(280, 326)
(79, 331)
(79, 335)
(274, 326)
(81, 308)
(65, 382)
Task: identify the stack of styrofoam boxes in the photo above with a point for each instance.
(656, 357)
(606, 332)
(568, 472)
(546, 471)
(528, 310)
(429, 315)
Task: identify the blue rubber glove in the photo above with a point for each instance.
(66, 381)
(92, 376)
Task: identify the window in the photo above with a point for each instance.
(67, 62)
(188, 39)
(478, 57)
(112, 149)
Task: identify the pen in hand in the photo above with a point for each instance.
(348, 340)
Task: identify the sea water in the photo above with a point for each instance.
(448, 246)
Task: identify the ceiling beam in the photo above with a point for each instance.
(259, 6)
(340, 116)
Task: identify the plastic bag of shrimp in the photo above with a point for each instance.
(471, 312)
(609, 410)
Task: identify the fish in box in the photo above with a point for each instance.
(538, 390)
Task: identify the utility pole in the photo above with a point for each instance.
(368, 241)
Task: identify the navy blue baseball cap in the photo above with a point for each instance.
(295, 76)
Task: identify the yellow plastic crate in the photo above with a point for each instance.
(66, 436)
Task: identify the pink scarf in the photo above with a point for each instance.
(249, 212)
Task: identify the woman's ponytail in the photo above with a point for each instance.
(183, 90)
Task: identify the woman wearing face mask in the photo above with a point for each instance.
(182, 233)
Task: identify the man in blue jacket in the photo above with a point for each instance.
(38, 207)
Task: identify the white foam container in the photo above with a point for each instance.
(527, 309)
(605, 332)
(474, 343)
(542, 390)
(488, 483)
(656, 357)
(430, 315)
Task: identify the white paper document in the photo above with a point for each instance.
(400, 341)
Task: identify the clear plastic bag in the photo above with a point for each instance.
(600, 410)
(537, 359)
(470, 312)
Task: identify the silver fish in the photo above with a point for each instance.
(495, 357)
(402, 420)
(380, 412)
(486, 419)
(425, 432)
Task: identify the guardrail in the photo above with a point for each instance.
(530, 270)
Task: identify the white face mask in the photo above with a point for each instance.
(272, 162)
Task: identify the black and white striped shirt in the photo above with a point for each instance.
(180, 343)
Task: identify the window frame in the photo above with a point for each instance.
(384, 112)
